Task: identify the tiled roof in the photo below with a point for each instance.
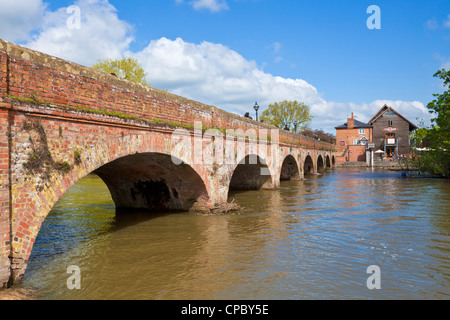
(358, 124)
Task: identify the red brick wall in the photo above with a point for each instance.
(4, 197)
(357, 153)
(3, 77)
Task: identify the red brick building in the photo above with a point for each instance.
(352, 138)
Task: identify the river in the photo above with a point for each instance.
(311, 239)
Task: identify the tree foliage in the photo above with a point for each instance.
(439, 133)
(435, 141)
(286, 113)
(126, 68)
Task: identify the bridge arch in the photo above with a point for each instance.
(251, 173)
(146, 164)
(289, 169)
(139, 173)
(320, 165)
(328, 162)
(308, 166)
(153, 182)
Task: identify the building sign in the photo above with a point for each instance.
(371, 145)
(390, 129)
(342, 143)
(390, 141)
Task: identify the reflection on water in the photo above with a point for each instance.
(311, 239)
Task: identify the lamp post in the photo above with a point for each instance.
(295, 126)
(256, 107)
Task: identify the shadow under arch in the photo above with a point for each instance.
(308, 166)
(251, 174)
(289, 169)
(333, 161)
(320, 166)
(152, 182)
(327, 162)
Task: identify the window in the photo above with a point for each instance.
(390, 113)
(355, 142)
(389, 123)
(362, 131)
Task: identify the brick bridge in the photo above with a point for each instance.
(60, 121)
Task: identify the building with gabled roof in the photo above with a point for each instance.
(391, 132)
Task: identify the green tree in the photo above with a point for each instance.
(287, 113)
(439, 133)
(126, 68)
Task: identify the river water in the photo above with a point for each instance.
(311, 239)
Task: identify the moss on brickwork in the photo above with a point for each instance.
(77, 157)
(40, 161)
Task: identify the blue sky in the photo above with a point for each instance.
(231, 53)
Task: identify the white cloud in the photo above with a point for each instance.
(101, 34)
(446, 65)
(211, 5)
(278, 59)
(447, 22)
(432, 24)
(214, 74)
(19, 17)
(276, 46)
(445, 61)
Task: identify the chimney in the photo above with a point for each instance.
(350, 122)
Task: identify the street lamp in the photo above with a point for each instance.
(256, 107)
(295, 126)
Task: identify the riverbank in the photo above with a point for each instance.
(376, 164)
(17, 294)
